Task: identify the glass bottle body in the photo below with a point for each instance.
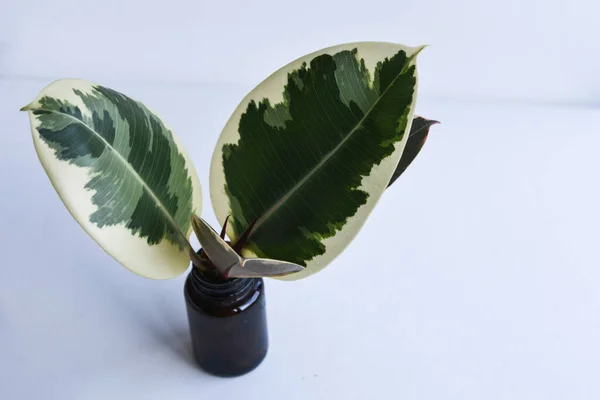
(228, 323)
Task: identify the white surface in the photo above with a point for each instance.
(483, 261)
(544, 49)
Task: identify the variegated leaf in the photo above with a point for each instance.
(416, 139)
(120, 172)
(308, 153)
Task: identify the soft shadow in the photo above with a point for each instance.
(176, 335)
(166, 325)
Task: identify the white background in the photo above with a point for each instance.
(533, 49)
(477, 276)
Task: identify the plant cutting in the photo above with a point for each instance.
(297, 170)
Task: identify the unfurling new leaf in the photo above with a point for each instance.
(231, 265)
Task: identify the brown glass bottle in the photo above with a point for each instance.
(228, 323)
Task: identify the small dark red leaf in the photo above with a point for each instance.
(416, 139)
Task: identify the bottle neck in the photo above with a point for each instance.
(215, 290)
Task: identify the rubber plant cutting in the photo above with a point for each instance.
(298, 168)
